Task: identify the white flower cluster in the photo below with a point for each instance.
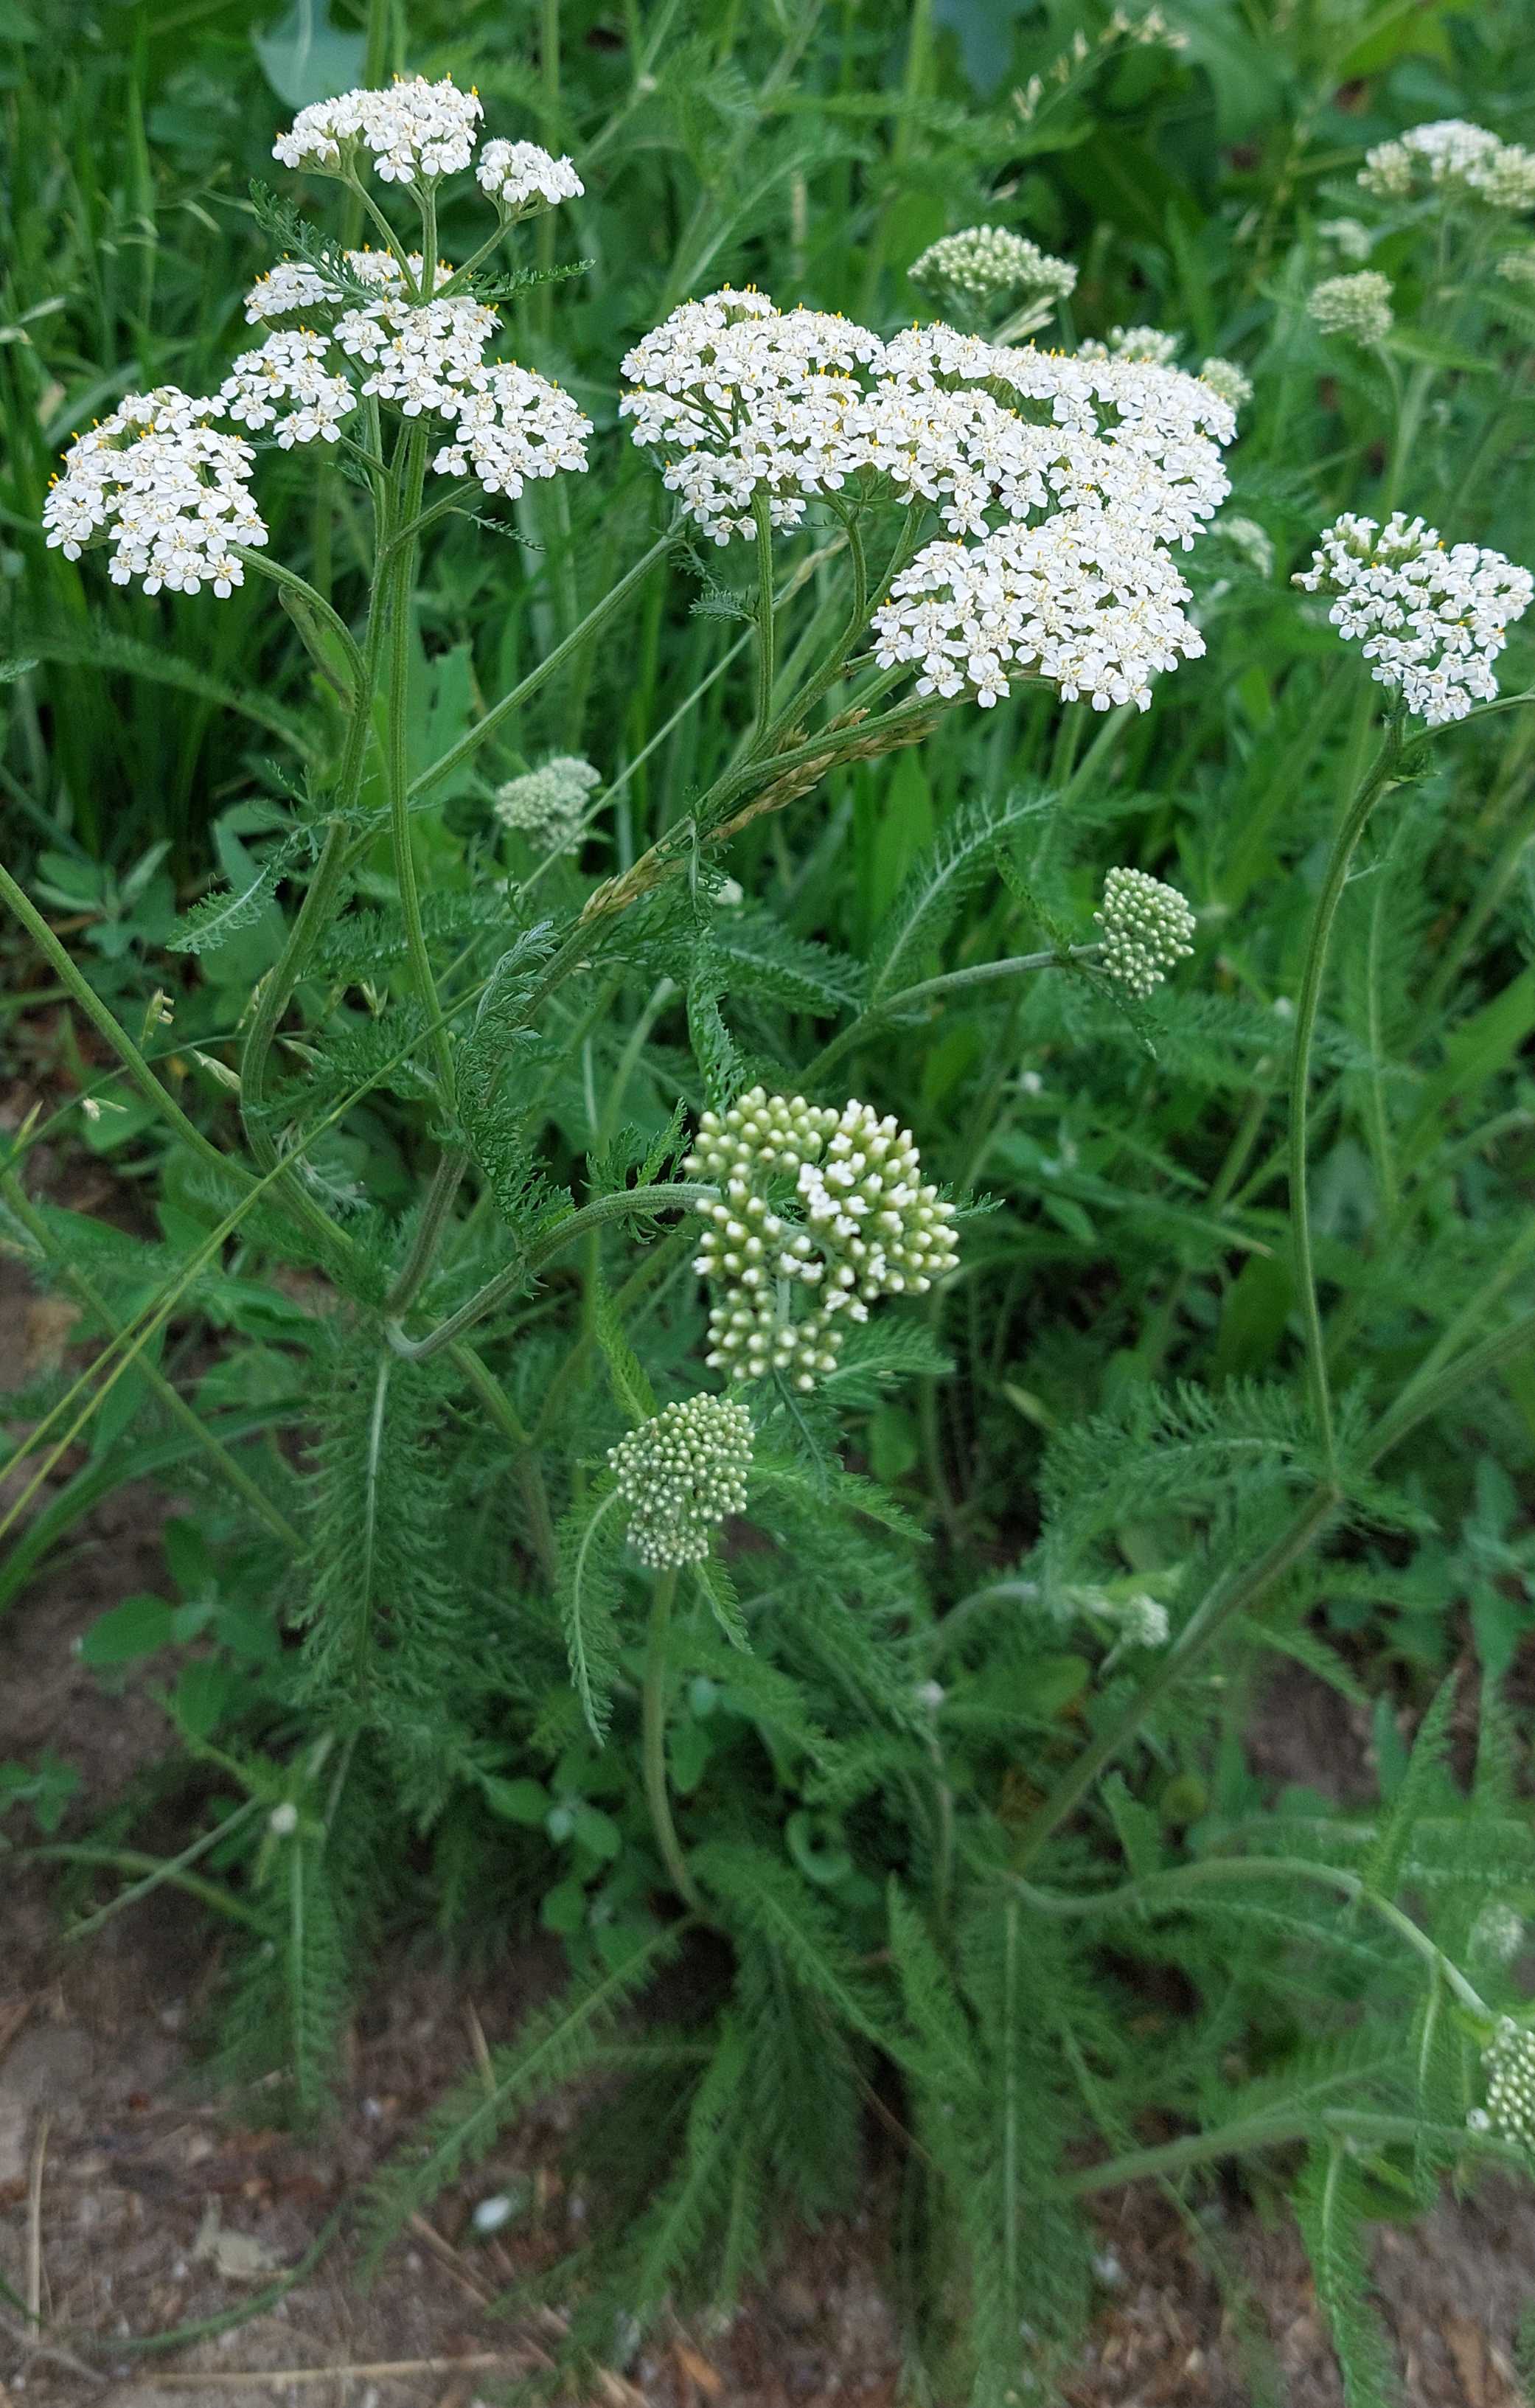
(512, 426)
(520, 177)
(757, 410)
(681, 1474)
(1509, 2063)
(813, 1203)
(169, 494)
(172, 496)
(285, 381)
(548, 804)
(1517, 266)
(1147, 928)
(412, 129)
(1143, 1621)
(1359, 306)
(291, 286)
(1461, 160)
(1087, 601)
(1431, 620)
(983, 263)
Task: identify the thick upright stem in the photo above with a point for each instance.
(654, 1742)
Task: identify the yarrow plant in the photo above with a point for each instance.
(628, 1474)
(1431, 620)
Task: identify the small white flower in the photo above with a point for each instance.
(1431, 620)
(411, 130)
(548, 804)
(287, 383)
(680, 1475)
(521, 178)
(283, 1822)
(1143, 343)
(491, 2214)
(510, 427)
(1359, 306)
(1147, 928)
(1498, 1933)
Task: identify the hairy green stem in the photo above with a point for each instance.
(653, 1742)
(947, 983)
(446, 1180)
(676, 1196)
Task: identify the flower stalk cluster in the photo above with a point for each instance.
(816, 1207)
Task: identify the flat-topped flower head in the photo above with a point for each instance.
(1431, 620)
(1455, 160)
(511, 427)
(755, 411)
(1147, 928)
(1508, 2062)
(1087, 602)
(293, 288)
(987, 264)
(1359, 306)
(819, 1214)
(167, 493)
(1143, 343)
(287, 384)
(521, 179)
(681, 1474)
(412, 131)
(548, 804)
(420, 355)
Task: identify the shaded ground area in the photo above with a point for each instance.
(132, 2202)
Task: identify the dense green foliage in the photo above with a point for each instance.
(986, 1852)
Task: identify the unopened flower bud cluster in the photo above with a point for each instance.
(1509, 2063)
(548, 804)
(1359, 306)
(983, 263)
(1431, 620)
(172, 496)
(1147, 928)
(681, 1474)
(819, 1213)
(1455, 160)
